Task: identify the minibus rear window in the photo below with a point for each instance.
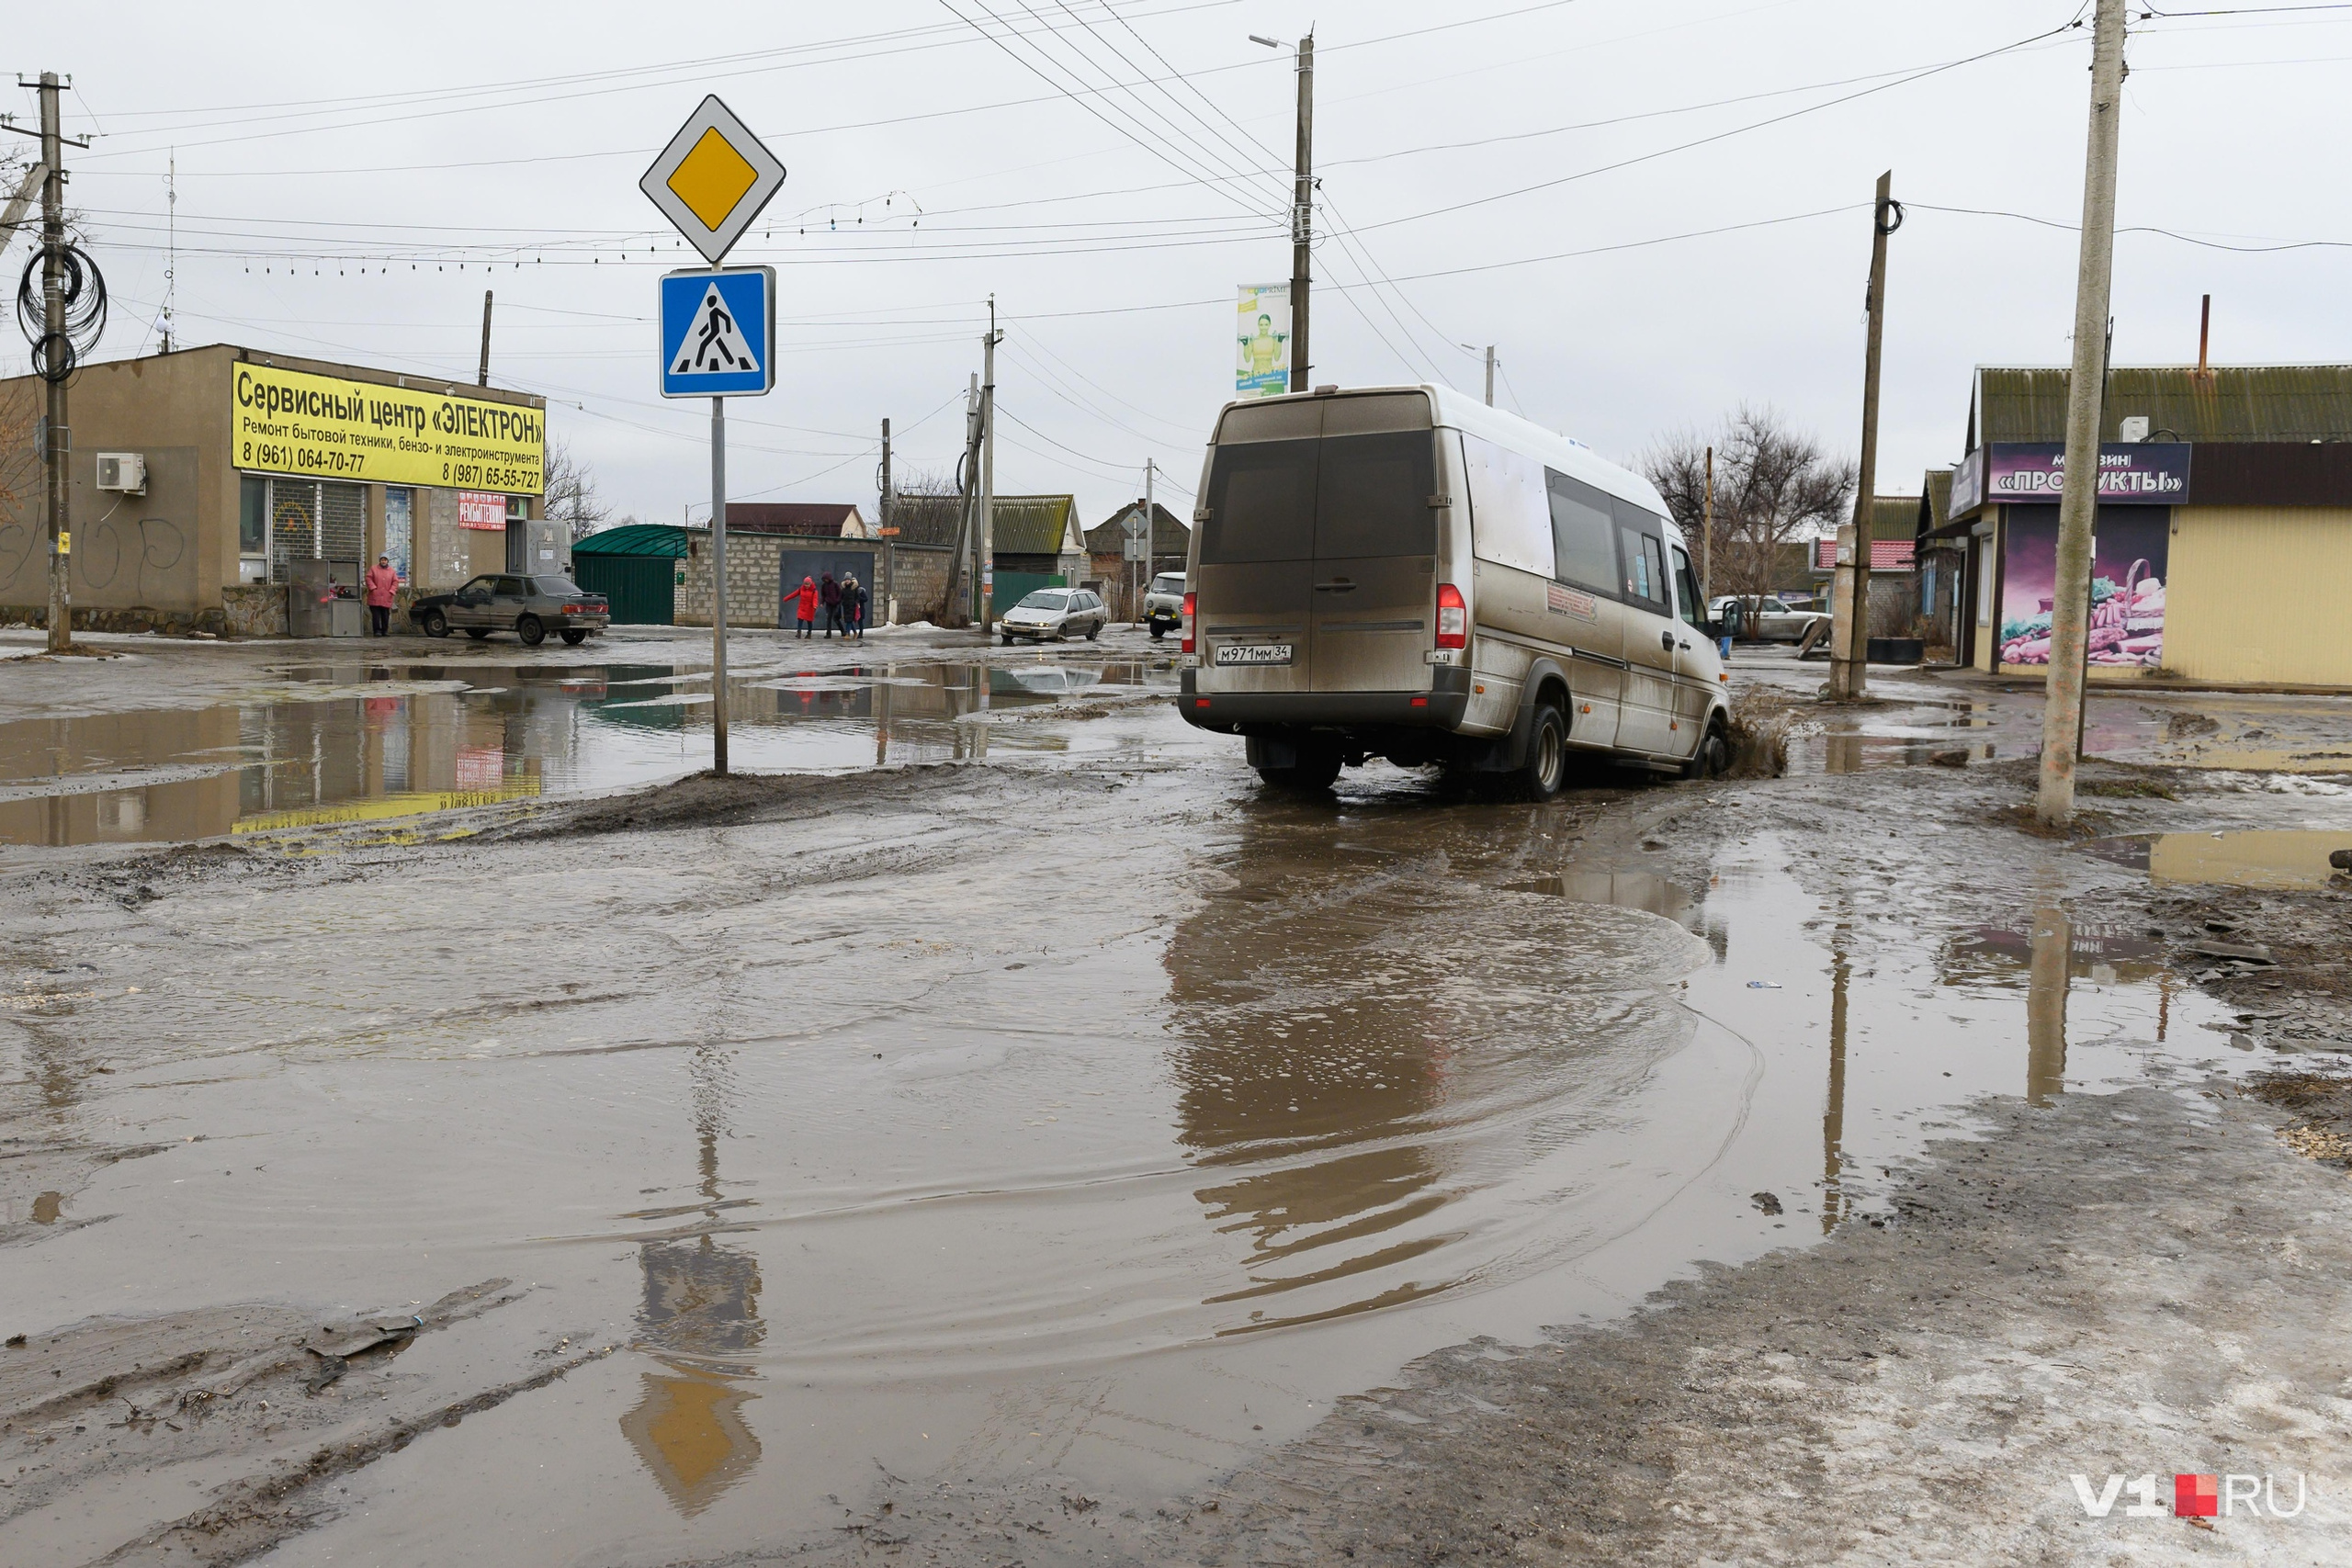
(1260, 503)
(1345, 497)
(1374, 496)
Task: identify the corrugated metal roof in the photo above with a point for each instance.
(635, 539)
(2231, 403)
(1934, 509)
(814, 519)
(1894, 516)
(1030, 525)
(1886, 555)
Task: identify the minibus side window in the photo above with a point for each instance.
(1641, 542)
(1580, 522)
(1685, 587)
(1260, 503)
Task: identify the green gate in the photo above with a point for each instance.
(1011, 587)
(643, 588)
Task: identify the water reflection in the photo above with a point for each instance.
(1365, 1044)
(388, 741)
(700, 1318)
(1833, 1113)
(2047, 977)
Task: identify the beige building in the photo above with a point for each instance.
(2223, 550)
(208, 481)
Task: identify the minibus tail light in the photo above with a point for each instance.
(1189, 598)
(1452, 617)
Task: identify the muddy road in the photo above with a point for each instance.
(1010, 1135)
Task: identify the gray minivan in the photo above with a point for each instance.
(1405, 572)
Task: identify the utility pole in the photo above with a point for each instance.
(481, 378)
(967, 474)
(2061, 713)
(1490, 375)
(1707, 533)
(719, 583)
(1150, 530)
(57, 437)
(1302, 221)
(889, 543)
(1850, 607)
(987, 578)
(170, 266)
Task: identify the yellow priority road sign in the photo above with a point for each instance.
(713, 179)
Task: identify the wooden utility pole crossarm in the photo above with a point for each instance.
(2061, 715)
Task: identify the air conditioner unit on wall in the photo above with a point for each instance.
(125, 471)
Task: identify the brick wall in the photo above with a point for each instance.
(918, 581)
(752, 563)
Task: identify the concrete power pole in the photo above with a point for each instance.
(1850, 607)
(57, 436)
(1490, 375)
(1150, 535)
(2061, 713)
(889, 542)
(482, 377)
(1302, 221)
(987, 577)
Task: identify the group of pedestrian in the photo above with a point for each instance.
(843, 604)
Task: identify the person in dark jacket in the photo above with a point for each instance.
(829, 594)
(854, 602)
(804, 604)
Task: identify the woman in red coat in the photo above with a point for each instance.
(806, 604)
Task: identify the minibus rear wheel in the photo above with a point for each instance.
(1314, 771)
(1547, 767)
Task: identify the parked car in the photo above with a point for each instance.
(1405, 572)
(1058, 613)
(1766, 620)
(530, 607)
(1163, 605)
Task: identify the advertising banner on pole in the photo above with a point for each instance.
(1262, 368)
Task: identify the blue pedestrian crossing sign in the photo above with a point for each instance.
(718, 332)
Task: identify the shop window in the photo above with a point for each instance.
(252, 516)
(400, 529)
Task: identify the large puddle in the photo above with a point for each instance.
(392, 739)
(1115, 1137)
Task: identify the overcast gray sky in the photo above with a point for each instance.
(1111, 172)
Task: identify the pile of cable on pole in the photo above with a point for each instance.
(56, 356)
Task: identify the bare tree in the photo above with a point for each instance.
(1775, 488)
(926, 507)
(571, 497)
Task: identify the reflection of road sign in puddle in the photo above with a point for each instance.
(714, 343)
(718, 332)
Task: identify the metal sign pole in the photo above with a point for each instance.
(719, 586)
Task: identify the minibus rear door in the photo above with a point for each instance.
(1375, 562)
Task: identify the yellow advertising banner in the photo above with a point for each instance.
(289, 422)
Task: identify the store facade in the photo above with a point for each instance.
(210, 486)
(2222, 552)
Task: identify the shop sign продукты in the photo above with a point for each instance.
(2143, 473)
(290, 421)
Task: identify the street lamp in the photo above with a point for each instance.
(1301, 212)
